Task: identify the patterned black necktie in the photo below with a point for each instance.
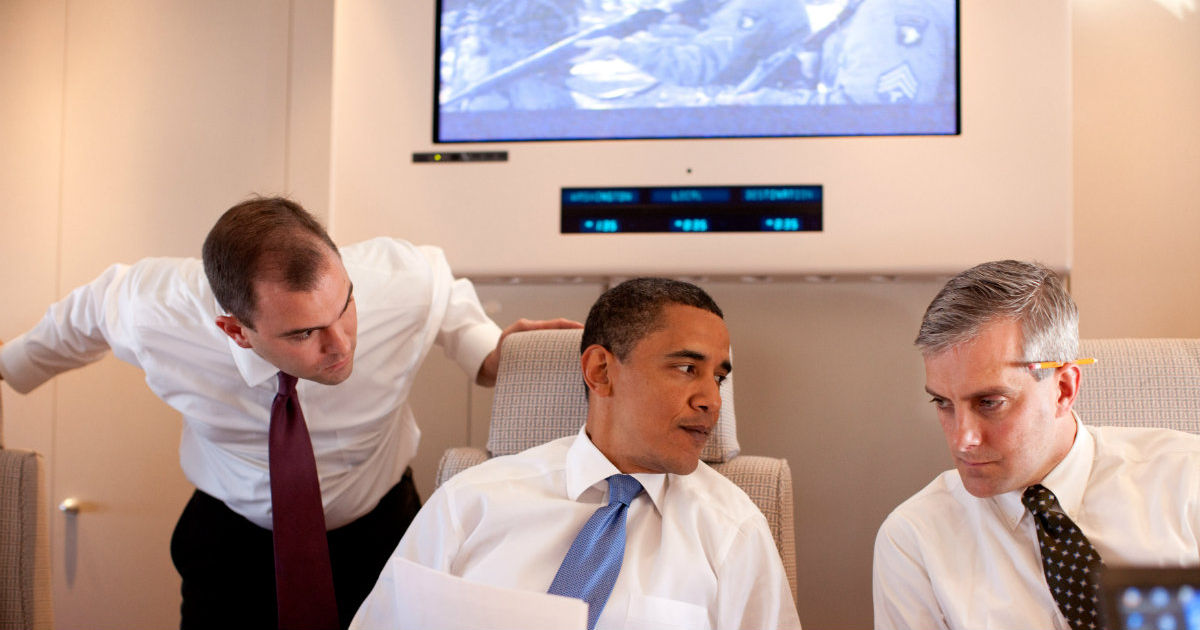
(1071, 564)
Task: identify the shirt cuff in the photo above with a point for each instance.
(475, 345)
(21, 373)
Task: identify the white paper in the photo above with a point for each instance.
(424, 598)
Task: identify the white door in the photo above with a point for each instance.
(131, 125)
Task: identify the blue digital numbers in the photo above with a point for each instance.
(689, 225)
(781, 224)
(600, 225)
(785, 209)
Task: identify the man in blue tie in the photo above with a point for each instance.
(622, 515)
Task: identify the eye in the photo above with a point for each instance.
(940, 403)
(686, 368)
(721, 378)
(303, 336)
(991, 404)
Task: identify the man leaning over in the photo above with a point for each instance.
(271, 320)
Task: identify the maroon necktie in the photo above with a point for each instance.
(303, 574)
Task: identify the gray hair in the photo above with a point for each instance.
(1026, 292)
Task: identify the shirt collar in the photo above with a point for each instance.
(1067, 480)
(587, 467)
(254, 369)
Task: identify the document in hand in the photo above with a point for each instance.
(415, 596)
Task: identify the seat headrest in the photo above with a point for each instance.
(1141, 382)
(540, 396)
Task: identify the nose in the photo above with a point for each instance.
(708, 397)
(337, 340)
(967, 433)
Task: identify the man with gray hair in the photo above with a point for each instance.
(1039, 502)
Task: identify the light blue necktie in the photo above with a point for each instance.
(594, 560)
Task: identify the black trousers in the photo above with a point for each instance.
(228, 563)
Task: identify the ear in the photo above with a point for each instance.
(235, 329)
(1067, 382)
(597, 364)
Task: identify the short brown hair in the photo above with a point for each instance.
(263, 238)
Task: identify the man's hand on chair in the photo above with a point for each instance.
(491, 364)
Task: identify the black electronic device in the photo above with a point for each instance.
(1151, 598)
(692, 209)
(452, 157)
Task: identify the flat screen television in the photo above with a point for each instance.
(892, 205)
(527, 70)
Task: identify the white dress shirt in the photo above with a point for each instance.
(159, 314)
(698, 554)
(946, 559)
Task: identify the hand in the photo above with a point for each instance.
(491, 363)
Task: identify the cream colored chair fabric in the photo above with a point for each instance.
(540, 397)
(1141, 383)
(24, 540)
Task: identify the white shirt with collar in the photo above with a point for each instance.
(947, 559)
(698, 554)
(159, 314)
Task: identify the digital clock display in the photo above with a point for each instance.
(692, 209)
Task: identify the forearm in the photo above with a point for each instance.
(467, 334)
(39, 355)
(71, 334)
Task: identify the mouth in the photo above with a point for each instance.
(698, 433)
(339, 365)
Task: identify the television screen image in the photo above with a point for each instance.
(517, 70)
